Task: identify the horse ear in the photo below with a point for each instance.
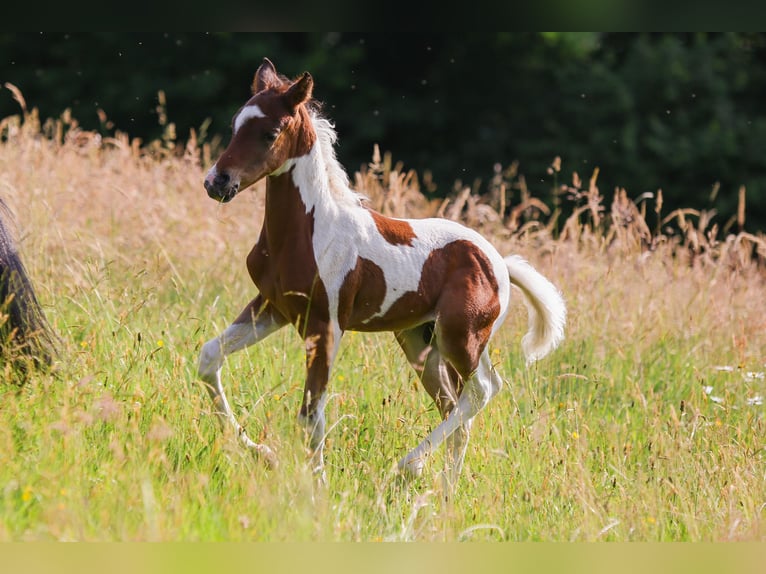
(300, 91)
(265, 76)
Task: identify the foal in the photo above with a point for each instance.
(327, 264)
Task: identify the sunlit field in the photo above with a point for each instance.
(647, 424)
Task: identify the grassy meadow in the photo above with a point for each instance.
(647, 424)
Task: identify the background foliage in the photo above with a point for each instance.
(681, 112)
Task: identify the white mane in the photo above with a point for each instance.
(336, 175)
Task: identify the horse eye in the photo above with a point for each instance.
(269, 137)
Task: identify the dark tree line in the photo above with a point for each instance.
(680, 112)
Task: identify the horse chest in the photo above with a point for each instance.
(288, 278)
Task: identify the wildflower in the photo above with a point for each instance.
(708, 390)
(724, 368)
(160, 343)
(575, 435)
(26, 494)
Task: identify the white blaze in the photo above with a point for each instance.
(247, 113)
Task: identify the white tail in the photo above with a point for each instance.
(547, 311)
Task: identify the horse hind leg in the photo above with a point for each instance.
(437, 376)
(257, 321)
(444, 385)
(480, 386)
(484, 384)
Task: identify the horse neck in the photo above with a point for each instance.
(290, 203)
(284, 208)
(311, 185)
(317, 190)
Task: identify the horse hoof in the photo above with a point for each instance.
(411, 467)
(265, 454)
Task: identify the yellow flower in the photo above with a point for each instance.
(26, 494)
(575, 435)
(160, 343)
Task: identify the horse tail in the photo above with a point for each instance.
(25, 334)
(547, 311)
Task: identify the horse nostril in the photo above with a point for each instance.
(221, 179)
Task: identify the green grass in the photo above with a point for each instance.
(630, 431)
(593, 443)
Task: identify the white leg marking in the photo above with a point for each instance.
(457, 444)
(315, 425)
(476, 394)
(236, 337)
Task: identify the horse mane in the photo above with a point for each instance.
(337, 177)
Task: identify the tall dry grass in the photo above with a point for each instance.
(647, 424)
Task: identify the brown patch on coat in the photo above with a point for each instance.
(282, 263)
(395, 231)
(361, 294)
(457, 289)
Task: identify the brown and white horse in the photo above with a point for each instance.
(327, 264)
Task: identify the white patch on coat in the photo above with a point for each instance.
(247, 113)
(346, 231)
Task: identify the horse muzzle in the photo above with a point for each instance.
(220, 187)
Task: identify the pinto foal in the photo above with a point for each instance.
(327, 264)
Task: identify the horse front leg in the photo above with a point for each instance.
(256, 322)
(321, 347)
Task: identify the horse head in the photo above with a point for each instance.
(271, 128)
